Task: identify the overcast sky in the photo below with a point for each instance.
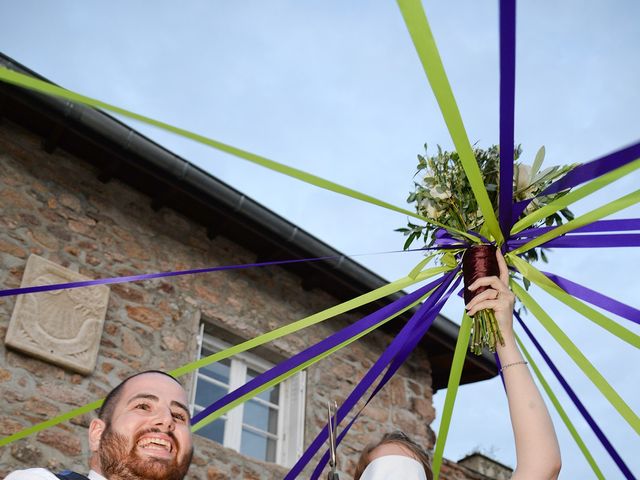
(336, 88)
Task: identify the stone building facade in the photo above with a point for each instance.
(56, 206)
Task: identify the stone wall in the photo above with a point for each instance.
(54, 206)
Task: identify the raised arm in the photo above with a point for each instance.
(537, 450)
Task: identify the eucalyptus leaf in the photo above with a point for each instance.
(537, 163)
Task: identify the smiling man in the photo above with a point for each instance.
(142, 433)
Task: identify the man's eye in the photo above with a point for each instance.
(143, 406)
(179, 416)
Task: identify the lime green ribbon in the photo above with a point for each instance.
(574, 195)
(424, 42)
(249, 344)
(311, 320)
(31, 83)
(459, 356)
(603, 211)
(249, 395)
(578, 357)
(541, 280)
(563, 415)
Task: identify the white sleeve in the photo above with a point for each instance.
(31, 474)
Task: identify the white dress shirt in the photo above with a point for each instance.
(43, 474)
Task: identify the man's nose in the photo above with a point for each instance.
(165, 417)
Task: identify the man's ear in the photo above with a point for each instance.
(96, 429)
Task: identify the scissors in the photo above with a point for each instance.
(332, 422)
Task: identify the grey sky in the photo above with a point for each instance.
(335, 88)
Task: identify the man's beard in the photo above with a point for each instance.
(118, 463)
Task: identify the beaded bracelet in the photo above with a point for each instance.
(523, 362)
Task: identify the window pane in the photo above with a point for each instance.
(214, 431)
(207, 393)
(261, 417)
(218, 370)
(257, 446)
(272, 395)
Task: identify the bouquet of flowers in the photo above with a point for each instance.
(443, 194)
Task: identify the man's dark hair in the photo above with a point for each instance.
(111, 400)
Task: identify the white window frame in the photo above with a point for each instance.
(291, 405)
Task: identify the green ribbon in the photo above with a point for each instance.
(581, 221)
(424, 42)
(459, 356)
(249, 344)
(578, 357)
(541, 280)
(574, 195)
(249, 395)
(31, 83)
(311, 320)
(563, 415)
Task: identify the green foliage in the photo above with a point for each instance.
(442, 192)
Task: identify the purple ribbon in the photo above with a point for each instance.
(177, 273)
(426, 321)
(594, 298)
(374, 372)
(585, 241)
(579, 405)
(444, 239)
(317, 349)
(507, 100)
(618, 225)
(585, 172)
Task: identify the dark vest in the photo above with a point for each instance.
(69, 475)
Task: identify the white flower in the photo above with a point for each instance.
(439, 193)
(522, 176)
(430, 208)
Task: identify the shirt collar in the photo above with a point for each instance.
(93, 475)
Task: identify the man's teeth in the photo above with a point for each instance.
(155, 443)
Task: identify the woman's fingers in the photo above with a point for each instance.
(504, 269)
(501, 300)
(484, 305)
(493, 282)
(490, 294)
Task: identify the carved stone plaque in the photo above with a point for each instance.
(61, 326)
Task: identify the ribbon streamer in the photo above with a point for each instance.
(409, 346)
(537, 277)
(585, 241)
(618, 225)
(603, 211)
(177, 273)
(576, 401)
(578, 357)
(574, 196)
(585, 172)
(247, 345)
(239, 395)
(595, 298)
(425, 45)
(563, 415)
(459, 356)
(373, 373)
(31, 83)
(507, 102)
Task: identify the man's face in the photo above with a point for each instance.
(149, 436)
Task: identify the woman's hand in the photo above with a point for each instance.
(498, 297)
